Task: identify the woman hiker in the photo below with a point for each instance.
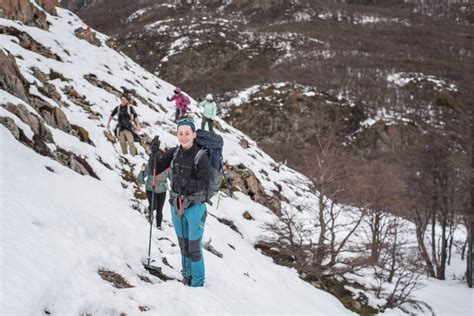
(156, 194)
(209, 112)
(188, 193)
(181, 102)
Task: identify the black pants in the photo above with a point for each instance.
(179, 113)
(209, 123)
(158, 201)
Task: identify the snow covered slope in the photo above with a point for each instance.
(64, 232)
(59, 228)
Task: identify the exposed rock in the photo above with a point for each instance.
(243, 179)
(27, 42)
(53, 115)
(24, 11)
(76, 163)
(11, 79)
(9, 123)
(229, 223)
(139, 194)
(40, 146)
(87, 34)
(49, 6)
(110, 137)
(112, 43)
(102, 84)
(61, 120)
(207, 245)
(244, 143)
(356, 302)
(82, 133)
(247, 216)
(76, 166)
(36, 123)
(81, 101)
(116, 279)
(47, 89)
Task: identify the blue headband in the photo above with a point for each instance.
(187, 122)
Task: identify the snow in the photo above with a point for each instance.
(402, 79)
(54, 240)
(59, 227)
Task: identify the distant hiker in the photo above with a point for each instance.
(159, 190)
(189, 186)
(181, 101)
(209, 112)
(124, 129)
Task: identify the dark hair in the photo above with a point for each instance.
(126, 96)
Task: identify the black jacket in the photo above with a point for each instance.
(198, 176)
(125, 116)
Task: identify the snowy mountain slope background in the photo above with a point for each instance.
(60, 228)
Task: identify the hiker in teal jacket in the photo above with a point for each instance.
(159, 190)
(209, 112)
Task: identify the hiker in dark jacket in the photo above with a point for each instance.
(159, 190)
(187, 196)
(124, 130)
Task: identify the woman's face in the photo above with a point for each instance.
(123, 101)
(186, 136)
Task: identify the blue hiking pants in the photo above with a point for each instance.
(189, 230)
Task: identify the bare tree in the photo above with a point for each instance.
(396, 266)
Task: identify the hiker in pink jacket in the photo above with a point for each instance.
(181, 102)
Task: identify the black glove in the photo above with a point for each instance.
(168, 99)
(181, 181)
(155, 144)
(200, 100)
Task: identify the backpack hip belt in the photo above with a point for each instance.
(187, 200)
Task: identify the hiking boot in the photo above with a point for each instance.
(186, 281)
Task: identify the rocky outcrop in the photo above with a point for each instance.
(82, 134)
(244, 180)
(26, 12)
(49, 6)
(11, 79)
(47, 89)
(76, 163)
(36, 124)
(55, 117)
(9, 123)
(88, 35)
(27, 42)
(81, 101)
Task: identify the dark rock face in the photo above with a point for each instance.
(10, 77)
(12, 81)
(342, 50)
(9, 123)
(26, 12)
(88, 35)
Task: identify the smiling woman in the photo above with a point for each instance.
(188, 193)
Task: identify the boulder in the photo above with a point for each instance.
(9, 123)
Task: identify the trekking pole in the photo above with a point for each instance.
(152, 206)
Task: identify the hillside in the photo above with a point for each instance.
(74, 234)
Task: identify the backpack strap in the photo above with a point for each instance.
(175, 154)
(198, 156)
